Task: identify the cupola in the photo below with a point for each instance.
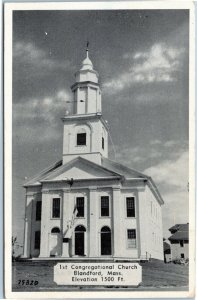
(86, 90)
(87, 64)
(87, 72)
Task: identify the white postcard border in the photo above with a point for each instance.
(9, 7)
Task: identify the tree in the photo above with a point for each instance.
(15, 247)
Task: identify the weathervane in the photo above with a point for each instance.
(87, 45)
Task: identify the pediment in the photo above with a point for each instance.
(80, 169)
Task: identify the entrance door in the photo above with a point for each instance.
(105, 241)
(79, 240)
(55, 242)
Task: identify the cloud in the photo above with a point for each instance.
(172, 173)
(136, 157)
(159, 64)
(155, 142)
(175, 209)
(44, 108)
(35, 60)
(40, 116)
(167, 164)
(171, 177)
(152, 154)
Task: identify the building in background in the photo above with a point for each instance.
(87, 206)
(179, 241)
(167, 252)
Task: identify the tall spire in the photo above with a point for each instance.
(87, 64)
(87, 45)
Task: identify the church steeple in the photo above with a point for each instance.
(87, 64)
(86, 90)
(85, 131)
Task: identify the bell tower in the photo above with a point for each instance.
(85, 131)
(86, 90)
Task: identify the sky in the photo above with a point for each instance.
(142, 60)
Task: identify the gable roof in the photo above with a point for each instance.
(182, 232)
(177, 227)
(36, 179)
(93, 171)
(58, 168)
(166, 246)
(107, 169)
(129, 173)
(179, 235)
(121, 169)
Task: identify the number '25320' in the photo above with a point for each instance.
(27, 282)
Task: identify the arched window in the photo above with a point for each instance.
(103, 143)
(55, 230)
(103, 137)
(81, 137)
(80, 228)
(105, 229)
(80, 240)
(105, 240)
(37, 240)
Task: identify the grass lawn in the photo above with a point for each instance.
(156, 275)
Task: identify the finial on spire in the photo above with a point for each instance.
(87, 45)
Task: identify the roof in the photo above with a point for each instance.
(129, 173)
(179, 227)
(80, 163)
(121, 169)
(87, 64)
(108, 166)
(179, 235)
(174, 228)
(36, 179)
(166, 246)
(182, 232)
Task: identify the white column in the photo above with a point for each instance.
(87, 101)
(85, 244)
(117, 217)
(28, 229)
(45, 217)
(98, 101)
(26, 240)
(143, 227)
(65, 224)
(73, 244)
(93, 215)
(91, 140)
(77, 101)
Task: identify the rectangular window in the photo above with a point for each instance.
(105, 206)
(181, 243)
(56, 208)
(182, 255)
(81, 139)
(131, 238)
(37, 240)
(103, 143)
(130, 206)
(38, 210)
(80, 207)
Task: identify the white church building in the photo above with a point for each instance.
(87, 206)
